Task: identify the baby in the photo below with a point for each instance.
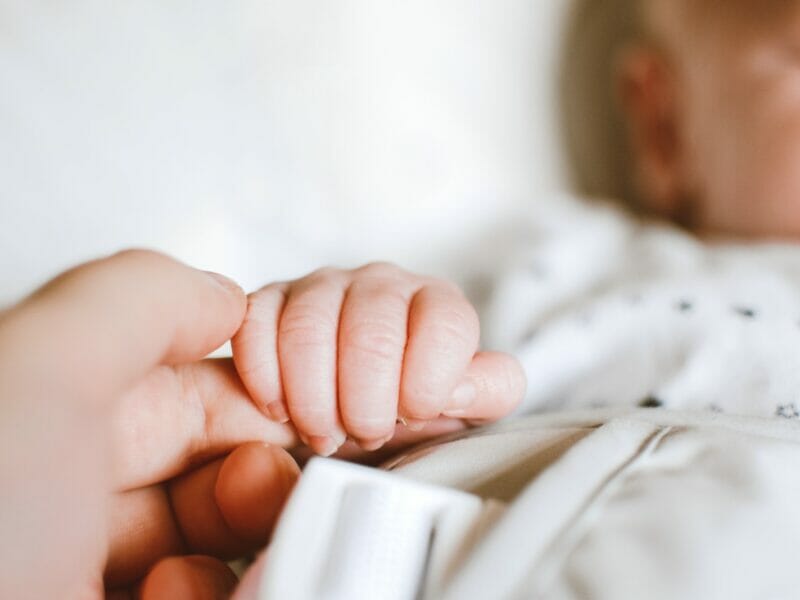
(710, 95)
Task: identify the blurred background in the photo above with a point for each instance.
(265, 138)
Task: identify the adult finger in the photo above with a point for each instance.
(99, 327)
(307, 352)
(372, 341)
(71, 347)
(196, 577)
(229, 507)
(443, 337)
(177, 418)
(184, 415)
(226, 508)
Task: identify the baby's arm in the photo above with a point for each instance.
(349, 353)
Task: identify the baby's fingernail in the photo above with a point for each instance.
(340, 437)
(458, 413)
(462, 398)
(415, 425)
(277, 412)
(372, 445)
(324, 446)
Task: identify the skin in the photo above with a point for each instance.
(110, 423)
(712, 98)
(152, 466)
(133, 468)
(346, 354)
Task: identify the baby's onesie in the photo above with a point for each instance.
(604, 309)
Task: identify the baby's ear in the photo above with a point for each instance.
(646, 88)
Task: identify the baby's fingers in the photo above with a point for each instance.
(498, 381)
(307, 353)
(255, 350)
(442, 340)
(372, 339)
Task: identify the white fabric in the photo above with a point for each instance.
(336, 529)
(645, 504)
(650, 504)
(618, 503)
(605, 310)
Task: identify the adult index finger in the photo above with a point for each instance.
(98, 328)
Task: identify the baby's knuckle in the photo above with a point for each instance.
(144, 257)
(269, 293)
(452, 327)
(265, 301)
(325, 271)
(304, 329)
(324, 274)
(380, 269)
(382, 296)
(391, 304)
(140, 254)
(377, 339)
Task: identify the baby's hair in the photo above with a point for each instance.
(594, 129)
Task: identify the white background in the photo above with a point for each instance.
(265, 138)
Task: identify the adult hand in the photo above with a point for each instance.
(126, 464)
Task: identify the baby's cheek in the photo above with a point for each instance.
(758, 195)
(747, 154)
(775, 205)
(769, 176)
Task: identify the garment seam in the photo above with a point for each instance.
(570, 533)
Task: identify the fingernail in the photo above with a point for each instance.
(340, 437)
(463, 396)
(457, 413)
(372, 445)
(324, 446)
(228, 284)
(415, 425)
(277, 412)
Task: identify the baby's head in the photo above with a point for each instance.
(710, 99)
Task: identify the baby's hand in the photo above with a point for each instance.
(348, 353)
